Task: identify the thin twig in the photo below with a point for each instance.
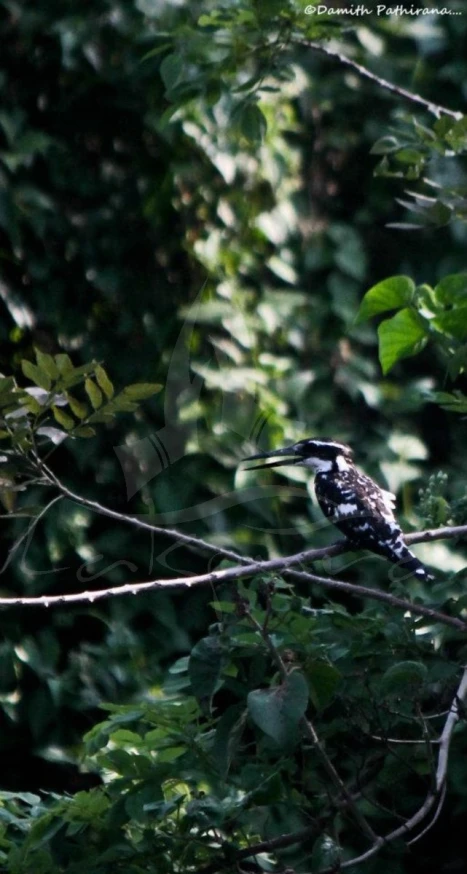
(267, 846)
(435, 795)
(312, 735)
(434, 108)
(29, 530)
(432, 820)
(195, 543)
(377, 595)
(398, 740)
(444, 533)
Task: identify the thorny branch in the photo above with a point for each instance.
(246, 566)
(434, 108)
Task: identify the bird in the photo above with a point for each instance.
(352, 501)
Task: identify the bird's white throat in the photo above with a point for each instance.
(319, 465)
(325, 465)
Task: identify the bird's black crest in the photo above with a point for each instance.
(325, 449)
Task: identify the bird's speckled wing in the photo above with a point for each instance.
(350, 493)
(358, 507)
(364, 513)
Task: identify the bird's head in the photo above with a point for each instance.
(321, 455)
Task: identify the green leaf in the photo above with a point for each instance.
(171, 70)
(80, 410)
(157, 51)
(104, 382)
(87, 806)
(390, 294)
(454, 403)
(453, 322)
(425, 133)
(385, 145)
(409, 156)
(399, 337)
(443, 125)
(94, 393)
(323, 680)
(141, 390)
(36, 374)
(439, 214)
(64, 363)
(278, 711)
(211, 20)
(457, 362)
(204, 668)
(84, 431)
(228, 735)
(404, 678)
(170, 754)
(32, 404)
(63, 419)
(123, 737)
(250, 123)
(75, 375)
(7, 384)
(457, 136)
(47, 364)
(451, 288)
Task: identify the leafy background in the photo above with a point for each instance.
(192, 196)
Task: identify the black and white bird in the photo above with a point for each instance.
(352, 501)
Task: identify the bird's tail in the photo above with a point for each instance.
(401, 555)
(411, 563)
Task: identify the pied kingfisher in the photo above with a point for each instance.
(352, 501)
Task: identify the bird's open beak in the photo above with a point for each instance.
(292, 453)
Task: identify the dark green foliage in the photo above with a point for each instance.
(173, 771)
(440, 202)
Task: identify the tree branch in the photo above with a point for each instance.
(248, 567)
(268, 846)
(194, 543)
(198, 544)
(435, 795)
(377, 595)
(434, 108)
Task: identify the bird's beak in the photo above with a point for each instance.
(290, 451)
